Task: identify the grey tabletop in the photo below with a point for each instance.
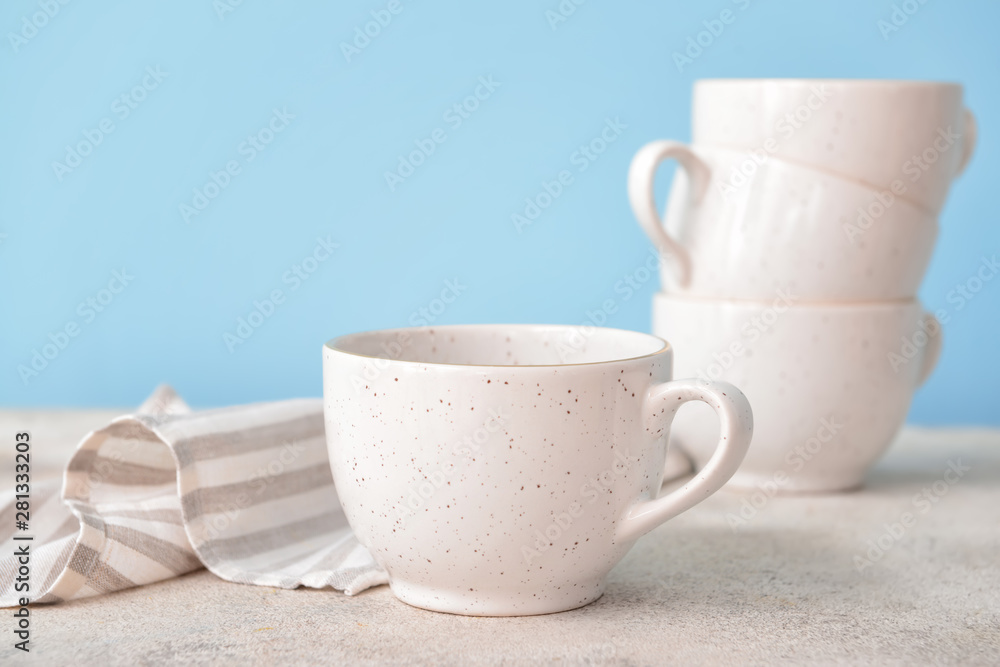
(904, 571)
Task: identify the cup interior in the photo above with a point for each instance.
(501, 345)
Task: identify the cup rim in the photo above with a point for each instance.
(799, 305)
(790, 81)
(332, 344)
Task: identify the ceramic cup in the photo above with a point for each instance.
(829, 385)
(504, 469)
(744, 226)
(872, 131)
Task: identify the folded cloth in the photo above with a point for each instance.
(245, 491)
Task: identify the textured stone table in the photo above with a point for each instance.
(790, 585)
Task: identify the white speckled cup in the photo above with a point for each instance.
(870, 130)
(503, 470)
(783, 227)
(830, 384)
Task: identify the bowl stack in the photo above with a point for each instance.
(796, 235)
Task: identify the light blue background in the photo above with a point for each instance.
(323, 176)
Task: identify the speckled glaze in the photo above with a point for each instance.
(864, 130)
(505, 469)
(784, 227)
(830, 385)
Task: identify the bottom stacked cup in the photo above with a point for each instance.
(830, 384)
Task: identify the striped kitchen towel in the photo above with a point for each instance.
(245, 491)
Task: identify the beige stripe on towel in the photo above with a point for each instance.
(140, 503)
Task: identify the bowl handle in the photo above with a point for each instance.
(736, 419)
(933, 351)
(969, 136)
(641, 177)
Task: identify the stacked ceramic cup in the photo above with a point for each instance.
(796, 234)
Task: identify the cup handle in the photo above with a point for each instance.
(641, 175)
(969, 136)
(736, 418)
(933, 352)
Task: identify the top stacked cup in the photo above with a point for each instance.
(829, 189)
(870, 131)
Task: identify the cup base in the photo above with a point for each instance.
(471, 603)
